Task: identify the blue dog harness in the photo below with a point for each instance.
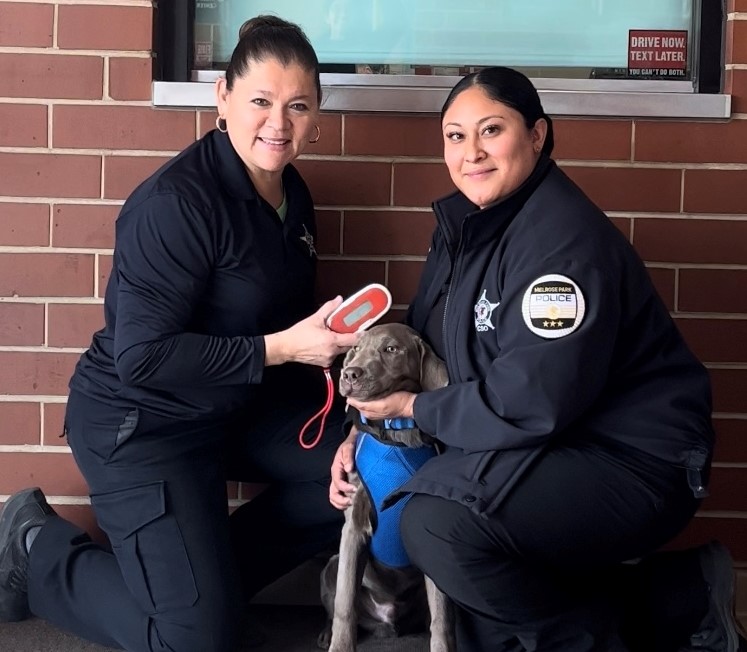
(384, 468)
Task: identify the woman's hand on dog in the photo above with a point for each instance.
(398, 404)
(340, 490)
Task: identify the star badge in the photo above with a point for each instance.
(309, 240)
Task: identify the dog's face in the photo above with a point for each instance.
(390, 358)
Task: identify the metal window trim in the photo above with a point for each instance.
(571, 101)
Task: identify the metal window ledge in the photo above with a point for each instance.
(425, 99)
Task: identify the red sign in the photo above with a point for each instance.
(657, 49)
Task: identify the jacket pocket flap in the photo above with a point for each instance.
(123, 512)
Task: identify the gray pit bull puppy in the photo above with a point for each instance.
(358, 590)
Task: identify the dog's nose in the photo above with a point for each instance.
(352, 374)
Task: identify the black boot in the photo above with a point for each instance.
(22, 512)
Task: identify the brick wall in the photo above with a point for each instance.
(77, 133)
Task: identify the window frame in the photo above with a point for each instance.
(177, 85)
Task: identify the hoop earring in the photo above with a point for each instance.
(221, 121)
(318, 135)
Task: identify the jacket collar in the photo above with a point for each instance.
(460, 219)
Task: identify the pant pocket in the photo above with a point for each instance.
(149, 546)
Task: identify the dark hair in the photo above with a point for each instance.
(271, 37)
(509, 87)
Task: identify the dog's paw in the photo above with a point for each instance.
(442, 644)
(342, 644)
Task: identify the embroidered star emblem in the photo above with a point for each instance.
(483, 312)
(309, 240)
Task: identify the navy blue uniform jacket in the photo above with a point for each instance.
(203, 268)
(613, 370)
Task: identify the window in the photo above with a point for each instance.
(415, 49)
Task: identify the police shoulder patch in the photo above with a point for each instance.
(553, 306)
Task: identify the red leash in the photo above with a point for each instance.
(322, 413)
(353, 315)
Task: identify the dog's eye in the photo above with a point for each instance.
(356, 348)
(392, 349)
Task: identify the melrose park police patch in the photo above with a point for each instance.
(553, 306)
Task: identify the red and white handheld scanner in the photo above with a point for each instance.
(356, 313)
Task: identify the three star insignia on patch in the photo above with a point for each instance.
(553, 306)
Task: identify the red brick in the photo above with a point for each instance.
(716, 340)
(330, 137)
(728, 390)
(84, 225)
(404, 276)
(30, 373)
(736, 5)
(88, 27)
(328, 232)
(385, 135)
(736, 41)
(50, 175)
(55, 473)
(19, 423)
(691, 142)
(731, 440)
(23, 125)
(715, 191)
(130, 78)
(664, 282)
(691, 241)
(629, 189)
(26, 25)
(54, 420)
(73, 325)
(24, 225)
(347, 183)
(69, 77)
(387, 232)
(713, 290)
(419, 184)
(206, 121)
(46, 275)
(122, 174)
(122, 127)
(21, 324)
(736, 85)
(104, 270)
(732, 532)
(608, 140)
(726, 488)
(344, 277)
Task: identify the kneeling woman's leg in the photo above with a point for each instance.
(533, 574)
(158, 490)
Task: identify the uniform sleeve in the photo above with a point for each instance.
(536, 386)
(165, 255)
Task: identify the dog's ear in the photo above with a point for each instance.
(433, 374)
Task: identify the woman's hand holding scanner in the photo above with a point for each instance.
(340, 490)
(309, 341)
(398, 404)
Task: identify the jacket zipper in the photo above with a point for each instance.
(451, 356)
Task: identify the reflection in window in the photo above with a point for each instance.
(637, 39)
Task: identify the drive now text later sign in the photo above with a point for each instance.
(657, 49)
